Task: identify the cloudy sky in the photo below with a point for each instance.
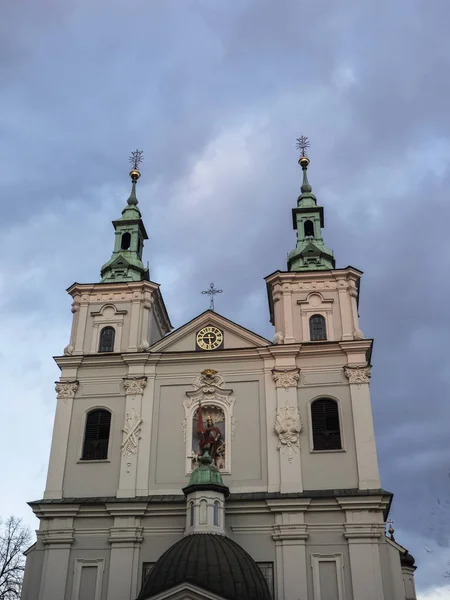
(215, 92)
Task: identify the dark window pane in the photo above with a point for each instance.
(146, 568)
(267, 571)
(309, 228)
(325, 425)
(107, 336)
(317, 328)
(96, 435)
(126, 241)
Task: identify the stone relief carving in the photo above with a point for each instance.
(286, 378)
(66, 389)
(288, 426)
(357, 375)
(134, 385)
(131, 436)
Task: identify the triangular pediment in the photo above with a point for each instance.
(311, 248)
(183, 339)
(186, 591)
(119, 261)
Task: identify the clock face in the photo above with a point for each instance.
(209, 338)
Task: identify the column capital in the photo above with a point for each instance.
(134, 385)
(358, 374)
(66, 389)
(286, 378)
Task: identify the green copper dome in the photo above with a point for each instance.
(310, 253)
(206, 476)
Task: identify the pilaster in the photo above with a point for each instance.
(363, 529)
(273, 461)
(66, 391)
(288, 426)
(134, 389)
(366, 454)
(290, 535)
(57, 536)
(125, 538)
(143, 455)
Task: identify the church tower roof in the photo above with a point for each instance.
(126, 263)
(310, 253)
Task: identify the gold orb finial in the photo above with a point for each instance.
(135, 160)
(134, 174)
(304, 161)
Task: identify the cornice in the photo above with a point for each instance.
(116, 287)
(296, 276)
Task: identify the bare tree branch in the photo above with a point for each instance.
(14, 539)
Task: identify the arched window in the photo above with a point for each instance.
(317, 328)
(216, 514)
(203, 517)
(107, 335)
(308, 227)
(126, 241)
(96, 435)
(325, 424)
(191, 511)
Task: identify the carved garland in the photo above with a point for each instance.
(66, 389)
(357, 375)
(288, 426)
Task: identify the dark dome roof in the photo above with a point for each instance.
(209, 561)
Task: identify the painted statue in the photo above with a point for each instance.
(210, 438)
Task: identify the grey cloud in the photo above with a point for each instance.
(84, 83)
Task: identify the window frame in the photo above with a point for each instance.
(271, 564)
(341, 426)
(109, 327)
(91, 409)
(324, 322)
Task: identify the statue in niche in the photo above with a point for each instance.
(208, 433)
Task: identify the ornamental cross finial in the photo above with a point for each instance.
(303, 144)
(211, 292)
(391, 528)
(136, 158)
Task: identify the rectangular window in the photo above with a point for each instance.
(146, 568)
(266, 569)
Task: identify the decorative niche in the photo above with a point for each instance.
(217, 426)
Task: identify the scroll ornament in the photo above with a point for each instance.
(288, 426)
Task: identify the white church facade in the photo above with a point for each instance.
(210, 463)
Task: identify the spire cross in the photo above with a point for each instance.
(211, 292)
(136, 158)
(302, 144)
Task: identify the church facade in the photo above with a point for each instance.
(208, 462)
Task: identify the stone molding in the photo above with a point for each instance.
(66, 389)
(288, 426)
(290, 532)
(357, 375)
(286, 378)
(134, 385)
